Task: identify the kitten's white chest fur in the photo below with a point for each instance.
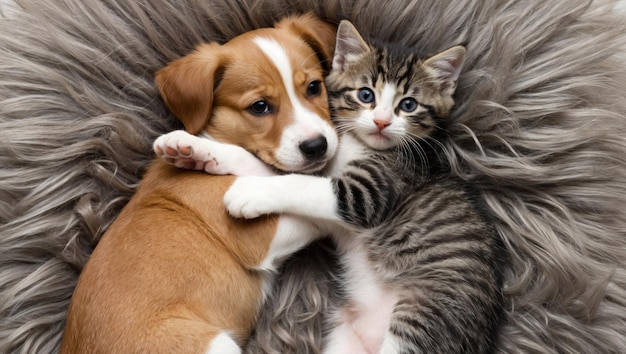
(349, 149)
(361, 326)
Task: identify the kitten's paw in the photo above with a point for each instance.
(184, 150)
(248, 198)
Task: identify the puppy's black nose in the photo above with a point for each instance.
(314, 148)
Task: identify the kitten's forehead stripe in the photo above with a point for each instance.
(394, 67)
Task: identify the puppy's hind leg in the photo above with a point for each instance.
(187, 335)
(223, 344)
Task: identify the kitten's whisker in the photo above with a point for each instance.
(412, 143)
(343, 126)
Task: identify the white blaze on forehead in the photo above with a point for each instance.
(277, 55)
(305, 124)
(387, 97)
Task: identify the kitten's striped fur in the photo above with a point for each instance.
(424, 237)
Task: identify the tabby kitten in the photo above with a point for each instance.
(420, 263)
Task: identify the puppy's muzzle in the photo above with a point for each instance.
(314, 148)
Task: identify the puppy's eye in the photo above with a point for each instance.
(260, 108)
(366, 95)
(314, 88)
(408, 105)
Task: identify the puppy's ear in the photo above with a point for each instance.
(186, 85)
(318, 34)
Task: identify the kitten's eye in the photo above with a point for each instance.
(408, 105)
(259, 108)
(366, 95)
(314, 88)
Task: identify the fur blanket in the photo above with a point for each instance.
(540, 127)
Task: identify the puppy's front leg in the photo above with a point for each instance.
(202, 153)
(307, 196)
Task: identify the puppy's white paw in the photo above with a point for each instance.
(249, 198)
(184, 150)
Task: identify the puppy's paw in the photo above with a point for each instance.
(249, 198)
(184, 150)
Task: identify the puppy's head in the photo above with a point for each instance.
(262, 90)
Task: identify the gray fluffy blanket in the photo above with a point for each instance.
(540, 127)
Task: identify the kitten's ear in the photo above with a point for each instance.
(349, 44)
(447, 66)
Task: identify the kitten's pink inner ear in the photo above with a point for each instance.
(447, 66)
(349, 43)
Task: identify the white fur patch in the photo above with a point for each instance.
(390, 345)
(343, 339)
(371, 303)
(210, 155)
(308, 196)
(306, 124)
(292, 234)
(223, 344)
(387, 97)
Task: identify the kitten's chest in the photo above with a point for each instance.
(369, 301)
(349, 149)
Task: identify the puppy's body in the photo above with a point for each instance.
(152, 284)
(174, 273)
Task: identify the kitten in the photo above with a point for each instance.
(420, 262)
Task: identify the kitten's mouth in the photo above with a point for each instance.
(379, 135)
(379, 140)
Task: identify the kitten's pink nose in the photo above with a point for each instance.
(381, 124)
(382, 118)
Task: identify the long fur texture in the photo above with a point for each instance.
(540, 127)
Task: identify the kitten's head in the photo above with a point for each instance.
(388, 96)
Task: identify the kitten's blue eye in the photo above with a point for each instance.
(314, 88)
(259, 108)
(366, 95)
(408, 105)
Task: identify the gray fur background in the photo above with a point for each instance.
(540, 127)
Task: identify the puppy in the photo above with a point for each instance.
(174, 273)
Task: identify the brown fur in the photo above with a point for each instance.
(151, 284)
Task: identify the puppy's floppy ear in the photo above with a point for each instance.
(318, 34)
(186, 85)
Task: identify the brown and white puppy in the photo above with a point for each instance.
(175, 273)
